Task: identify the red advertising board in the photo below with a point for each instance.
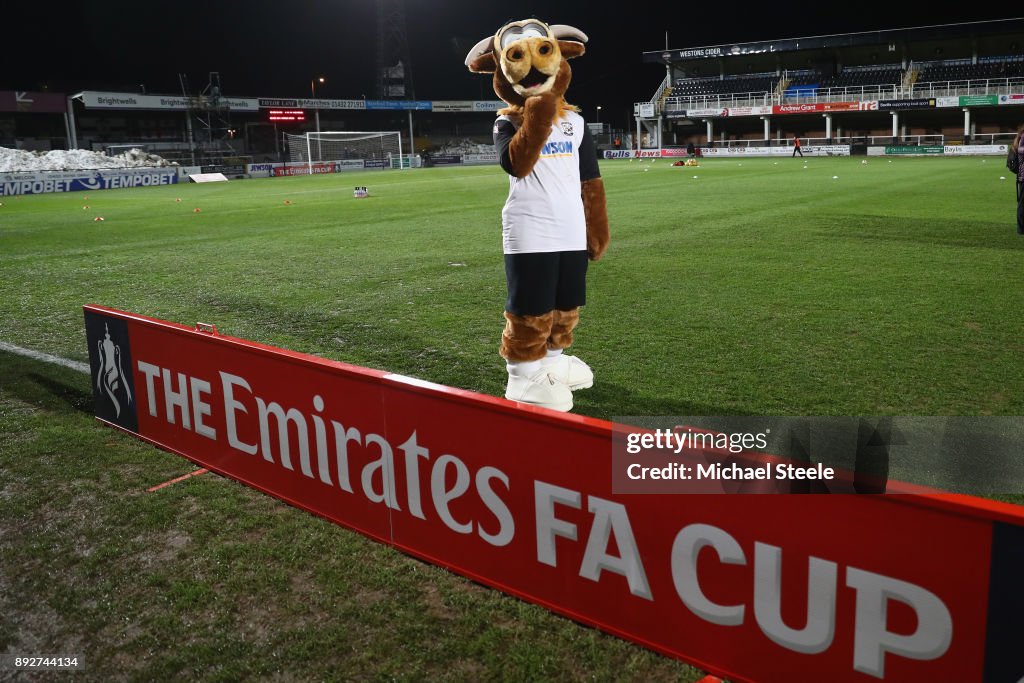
(797, 108)
(303, 169)
(755, 588)
(866, 105)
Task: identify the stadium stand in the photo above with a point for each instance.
(920, 85)
(963, 70)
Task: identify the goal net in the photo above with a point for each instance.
(382, 149)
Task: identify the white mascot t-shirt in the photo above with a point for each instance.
(544, 210)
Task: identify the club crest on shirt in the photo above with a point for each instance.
(567, 127)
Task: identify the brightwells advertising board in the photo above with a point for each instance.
(767, 588)
(40, 182)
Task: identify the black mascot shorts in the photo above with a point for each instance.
(547, 281)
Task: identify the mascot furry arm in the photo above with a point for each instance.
(532, 76)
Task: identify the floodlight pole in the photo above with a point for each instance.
(316, 114)
(412, 145)
(69, 122)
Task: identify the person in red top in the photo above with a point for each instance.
(796, 147)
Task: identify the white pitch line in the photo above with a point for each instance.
(45, 357)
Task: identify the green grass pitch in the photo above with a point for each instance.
(821, 286)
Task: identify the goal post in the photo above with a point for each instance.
(316, 147)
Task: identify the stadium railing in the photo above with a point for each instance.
(993, 138)
(988, 86)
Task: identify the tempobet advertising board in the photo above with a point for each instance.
(42, 182)
(756, 588)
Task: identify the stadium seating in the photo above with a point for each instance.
(699, 87)
(799, 83)
(853, 77)
(883, 75)
(963, 70)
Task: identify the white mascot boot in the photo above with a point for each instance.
(532, 382)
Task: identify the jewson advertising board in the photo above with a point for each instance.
(41, 182)
(838, 588)
(259, 170)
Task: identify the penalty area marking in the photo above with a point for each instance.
(45, 357)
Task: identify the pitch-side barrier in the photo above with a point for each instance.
(749, 587)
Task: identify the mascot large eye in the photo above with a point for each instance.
(530, 30)
(535, 31)
(510, 36)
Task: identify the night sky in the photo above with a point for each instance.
(274, 49)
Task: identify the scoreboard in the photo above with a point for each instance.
(286, 115)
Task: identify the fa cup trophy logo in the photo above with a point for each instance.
(111, 378)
